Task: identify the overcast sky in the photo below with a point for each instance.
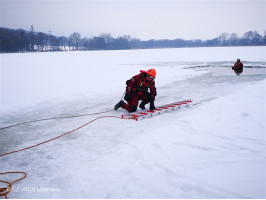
(164, 19)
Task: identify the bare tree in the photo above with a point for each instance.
(108, 39)
(41, 41)
(75, 40)
(62, 41)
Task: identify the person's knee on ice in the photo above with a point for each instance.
(133, 108)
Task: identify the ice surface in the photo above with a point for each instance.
(215, 149)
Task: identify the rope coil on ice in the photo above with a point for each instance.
(4, 191)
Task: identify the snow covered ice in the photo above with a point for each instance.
(215, 149)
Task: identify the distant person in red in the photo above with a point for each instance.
(238, 67)
(139, 87)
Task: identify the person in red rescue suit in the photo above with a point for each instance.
(139, 87)
(238, 67)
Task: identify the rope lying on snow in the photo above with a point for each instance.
(38, 120)
(4, 191)
(63, 134)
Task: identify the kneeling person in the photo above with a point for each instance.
(139, 87)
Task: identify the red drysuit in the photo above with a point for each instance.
(238, 67)
(139, 87)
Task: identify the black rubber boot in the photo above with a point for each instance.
(142, 106)
(119, 104)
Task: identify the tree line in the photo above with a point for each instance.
(30, 41)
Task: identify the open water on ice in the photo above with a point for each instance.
(218, 80)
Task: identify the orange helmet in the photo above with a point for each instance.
(151, 72)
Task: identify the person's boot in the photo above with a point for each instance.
(119, 104)
(142, 105)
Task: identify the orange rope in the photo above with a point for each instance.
(4, 191)
(62, 134)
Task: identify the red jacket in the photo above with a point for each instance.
(238, 65)
(140, 83)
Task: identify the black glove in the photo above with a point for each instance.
(152, 107)
(127, 97)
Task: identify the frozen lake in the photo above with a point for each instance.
(215, 149)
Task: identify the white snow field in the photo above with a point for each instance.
(214, 149)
